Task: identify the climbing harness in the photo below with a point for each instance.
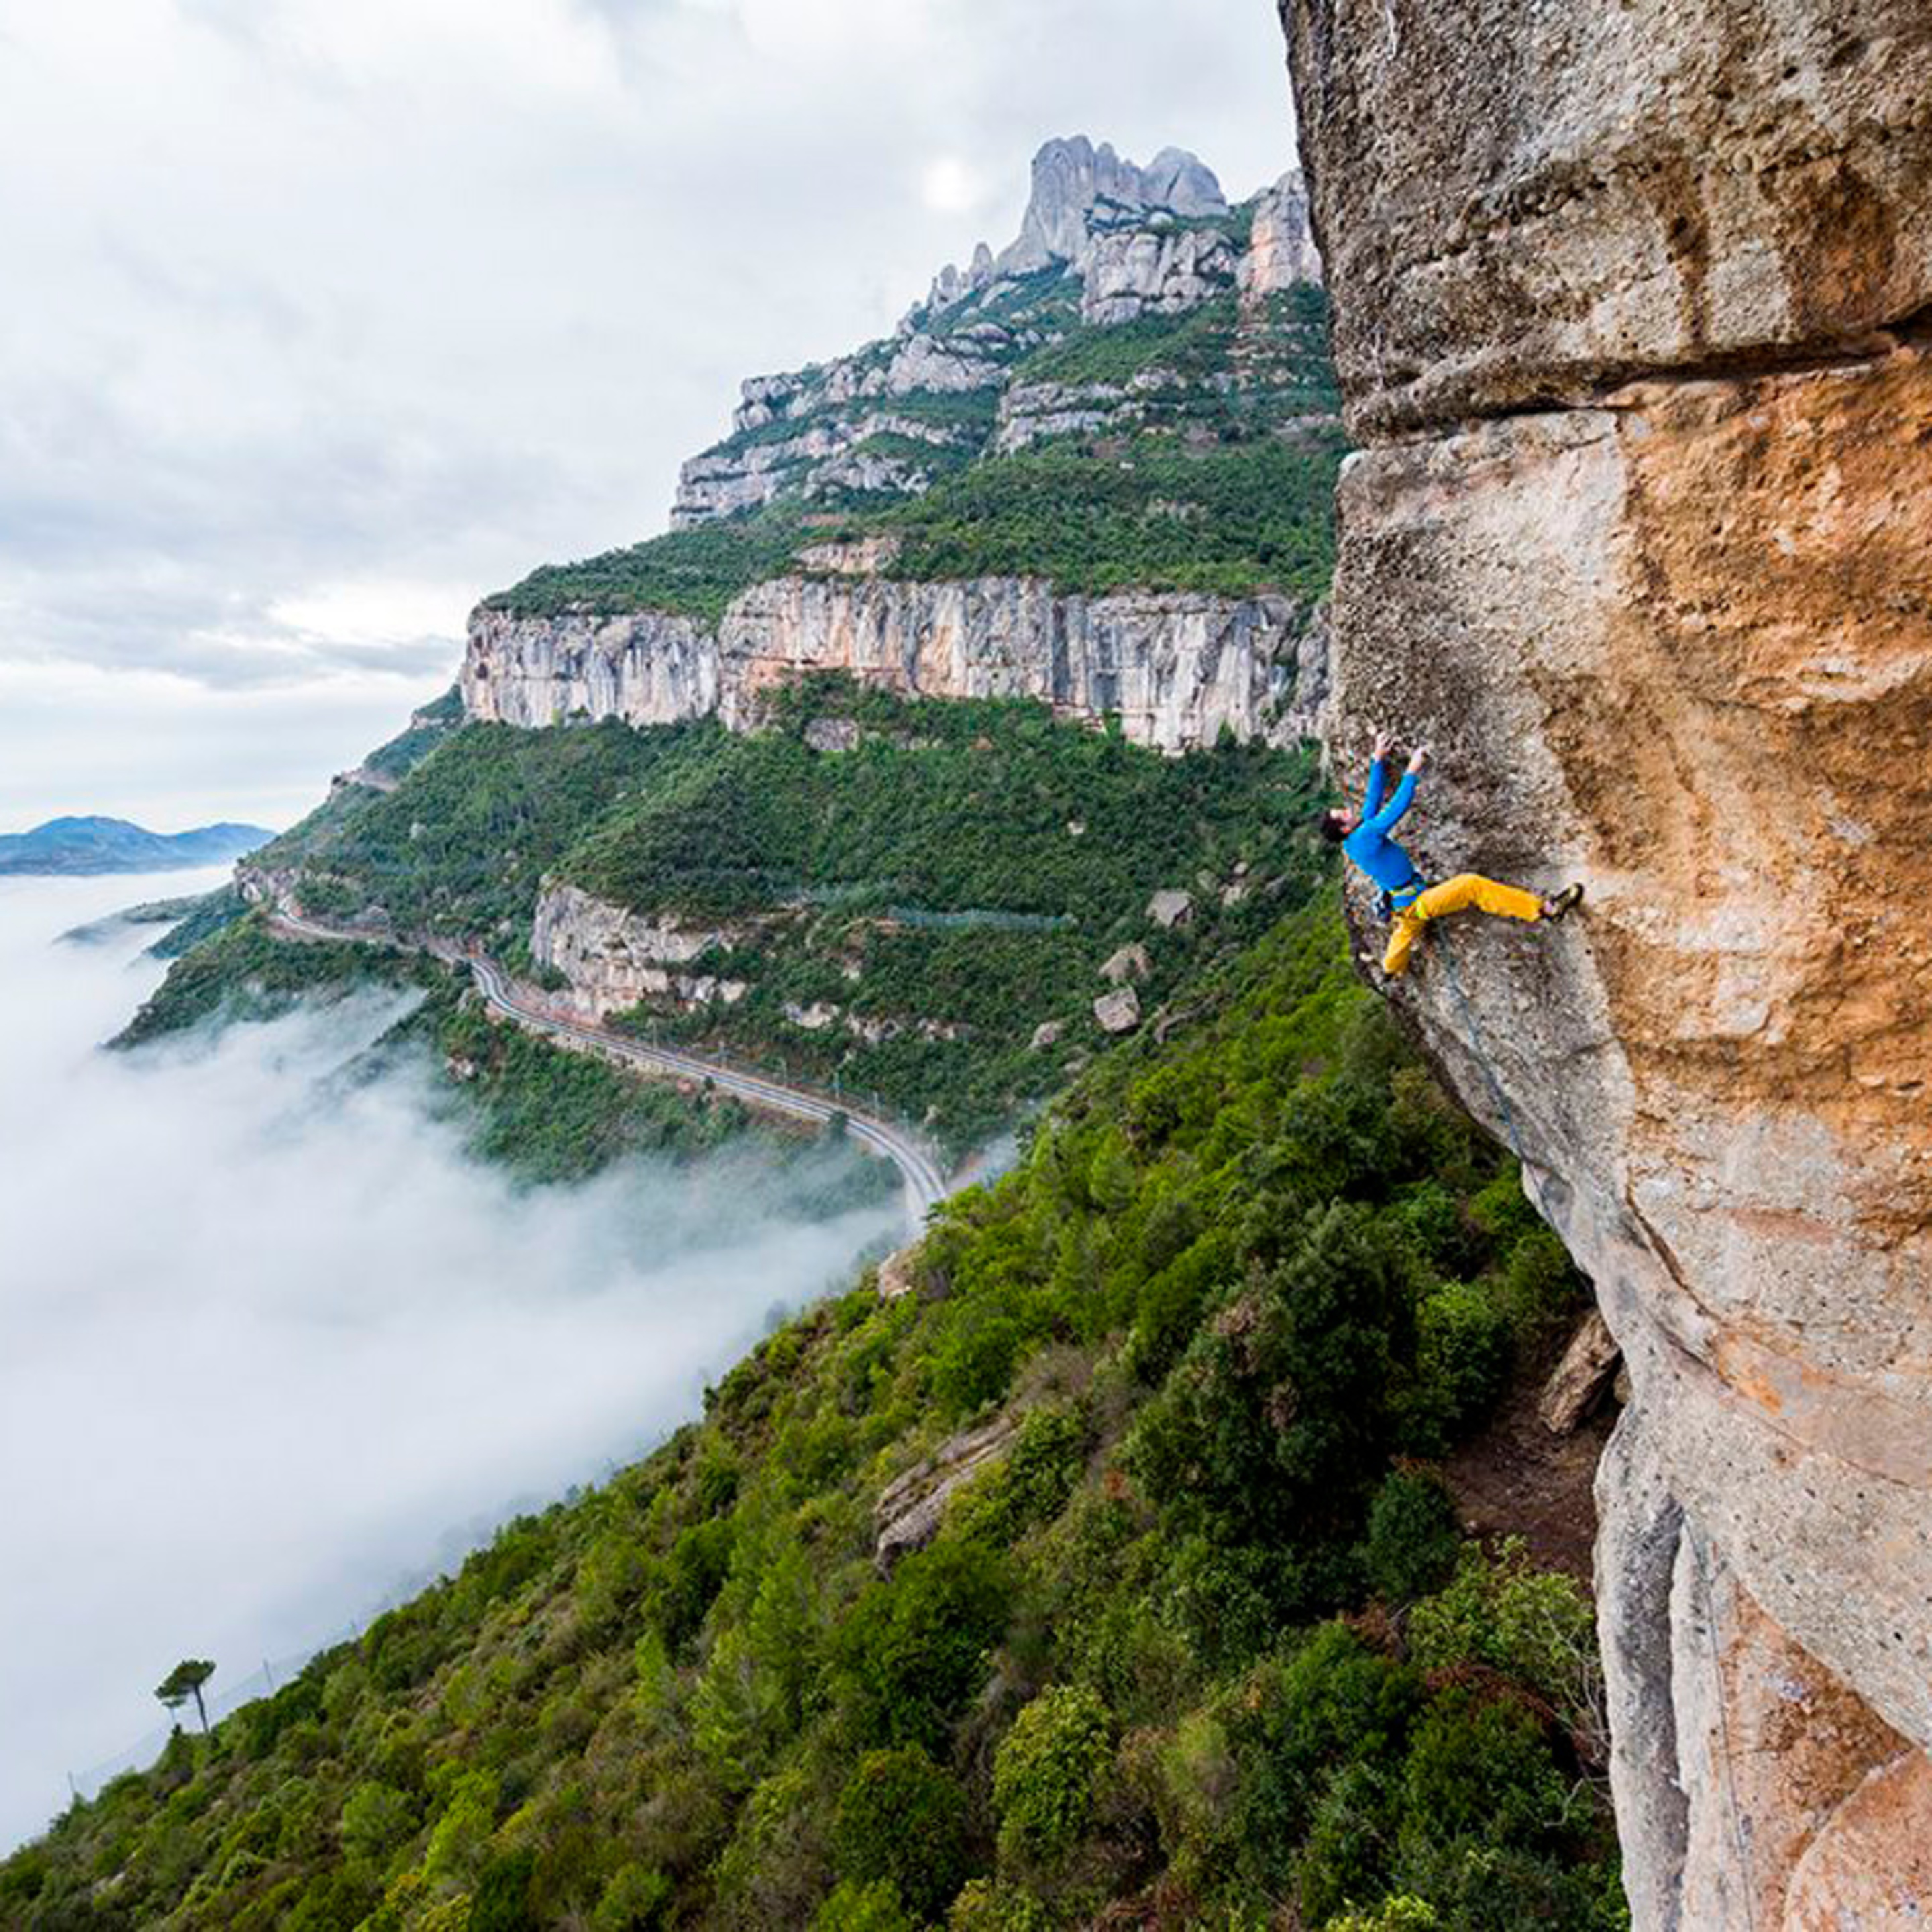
(1390, 902)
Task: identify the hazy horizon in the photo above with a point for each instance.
(270, 1343)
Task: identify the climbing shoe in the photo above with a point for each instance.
(1566, 901)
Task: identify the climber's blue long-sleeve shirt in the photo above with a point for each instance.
(1369, 844)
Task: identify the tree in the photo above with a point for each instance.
(902, 1820)
(184, 1682)
(1046, 1772)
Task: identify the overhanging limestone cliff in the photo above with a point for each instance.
(1627, 312)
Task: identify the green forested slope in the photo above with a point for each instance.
(1197, 504)
(948, 886)
(1197, 1644)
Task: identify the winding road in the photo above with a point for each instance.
(925, 1184)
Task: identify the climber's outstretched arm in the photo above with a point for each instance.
(1404, 793)
(1404, 796)
(1371, 799)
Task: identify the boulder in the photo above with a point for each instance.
(1579, 1378)
(832, 734)
(1118, 1012)
(1169, 908)
(1130, 962)
(898, 1273)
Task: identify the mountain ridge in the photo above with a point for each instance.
(1095, 469)
(93, 843)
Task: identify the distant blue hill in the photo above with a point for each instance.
(73, 845)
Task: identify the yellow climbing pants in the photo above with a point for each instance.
(1456, 895)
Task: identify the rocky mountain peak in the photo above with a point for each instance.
(1080, 192)
(1072, 179)
(1182, 181)
(1104, 241)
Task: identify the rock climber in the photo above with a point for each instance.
(1405, 898)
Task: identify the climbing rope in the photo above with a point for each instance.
(1723, 1725)
(1440, 940)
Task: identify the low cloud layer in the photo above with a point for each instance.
(268, 1341)
(325, 317)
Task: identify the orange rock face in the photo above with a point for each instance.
(1668, 622)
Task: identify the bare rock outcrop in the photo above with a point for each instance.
(1176, 667)
(1666, 619)
(833, 451)
(1079, 189)
(649, 667)
(911, 1507)
(613, 959)
(1155, 270)
(1281, 243)
(1632, 190)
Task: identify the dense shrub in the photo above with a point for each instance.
(375, 1819)
(634, 1901)
(1401, 1912)
(501, 1902)
(1534, 1626)
(986, 1907)
(1047, 1771)
(1413, 1538)
(863, 1908)
(914, 1649)
(1463, 1355)
(1278, 1416)
(902, 1819)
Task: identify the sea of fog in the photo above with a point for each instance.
(272, 1349)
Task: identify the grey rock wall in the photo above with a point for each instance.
(1177, 667)
(613, 958)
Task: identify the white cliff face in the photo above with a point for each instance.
(1177, 667)
(1281, 246)
(648, 668)
(613, 958)
(1154, 271)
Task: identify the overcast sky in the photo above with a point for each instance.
(324, 318)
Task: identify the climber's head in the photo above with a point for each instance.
(1336, 823)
